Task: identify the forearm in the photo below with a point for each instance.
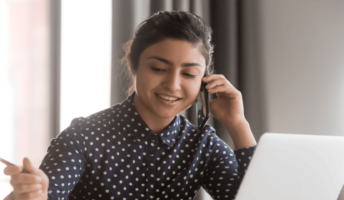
(241, 133)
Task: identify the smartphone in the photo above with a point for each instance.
(202, 106)
(10, 164)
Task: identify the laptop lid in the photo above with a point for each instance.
(293, 166)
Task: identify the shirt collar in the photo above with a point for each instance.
(135, 126)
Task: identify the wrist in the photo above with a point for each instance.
(241, 133)
(236, 123)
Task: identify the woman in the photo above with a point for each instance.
(142, 148)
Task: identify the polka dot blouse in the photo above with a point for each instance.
(113, 154)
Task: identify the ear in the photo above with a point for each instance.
(132, 71)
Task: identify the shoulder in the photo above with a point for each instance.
(105, 116)
(96, 122)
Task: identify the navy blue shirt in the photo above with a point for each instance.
(113, 154)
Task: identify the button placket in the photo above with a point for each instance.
(151, 174)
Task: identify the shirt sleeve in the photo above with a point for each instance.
(226, 170)
(64, 161)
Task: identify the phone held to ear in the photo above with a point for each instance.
(204, 100)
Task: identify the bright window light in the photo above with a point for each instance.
(85, 58)
(6, 116)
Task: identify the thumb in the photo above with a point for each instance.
(27, 165)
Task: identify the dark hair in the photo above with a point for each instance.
(169, 24)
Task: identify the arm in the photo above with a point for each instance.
(64, 162)
(51, 181)
(226, 170)
(228, 108)
(240, 133)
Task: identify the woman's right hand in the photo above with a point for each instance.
(28, 186)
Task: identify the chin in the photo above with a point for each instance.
(166, 114)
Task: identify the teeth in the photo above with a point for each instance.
(168, 98)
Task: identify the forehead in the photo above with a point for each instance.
(176, 51)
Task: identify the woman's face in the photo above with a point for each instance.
(168, 78)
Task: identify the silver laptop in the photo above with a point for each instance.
(295, 167)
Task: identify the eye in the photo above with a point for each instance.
(157, 69)
(190, 75)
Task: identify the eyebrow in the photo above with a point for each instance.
(170, 63)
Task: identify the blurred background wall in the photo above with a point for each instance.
(302, 50)
(58, 61)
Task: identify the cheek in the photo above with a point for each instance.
(145, 82)
(192, 90)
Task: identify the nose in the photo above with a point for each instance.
(172, 81)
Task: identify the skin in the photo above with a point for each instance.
(172, 68)
(165, 69)
(28, 186)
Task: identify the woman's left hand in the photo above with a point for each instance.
(228, 107)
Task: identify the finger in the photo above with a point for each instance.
(29, 195)
(220, 89)
(12, 170)
(212, 77)
(224, 91)
(29, 167)
(215, 83)
(22, 178)
(25, 188)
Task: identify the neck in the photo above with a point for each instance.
(153, 121)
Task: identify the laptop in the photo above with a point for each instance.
(295, 167)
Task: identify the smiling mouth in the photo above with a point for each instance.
(168, 98)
